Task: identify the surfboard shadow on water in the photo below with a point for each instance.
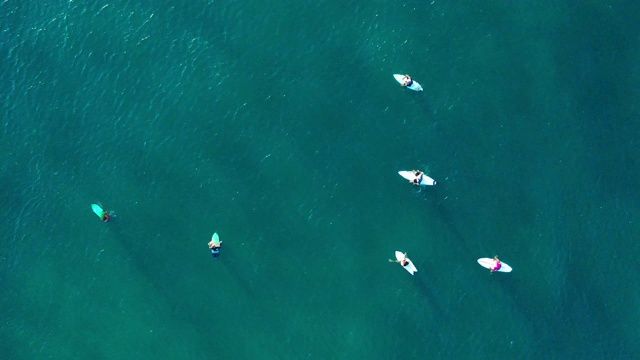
(233, 263)
(423, 100)
(427, 292)
(156, 266)
(438, 204)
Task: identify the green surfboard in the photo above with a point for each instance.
(98, 210)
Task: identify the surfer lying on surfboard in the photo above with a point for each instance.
(407, 82)
(103, 214)
(404, 262)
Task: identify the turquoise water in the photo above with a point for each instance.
(279, 125)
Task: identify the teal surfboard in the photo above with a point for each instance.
(216, 239)
(98, 210)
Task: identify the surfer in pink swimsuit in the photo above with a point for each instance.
(498, 264)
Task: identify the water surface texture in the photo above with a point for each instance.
(279, 125)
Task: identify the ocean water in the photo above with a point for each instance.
(279, 126)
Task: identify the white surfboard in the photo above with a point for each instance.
(410, 267)
(414, 86)
(410, 176)
(490, 264)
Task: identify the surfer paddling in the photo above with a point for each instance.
(404, 262)
(402, 259)
(103, 214)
